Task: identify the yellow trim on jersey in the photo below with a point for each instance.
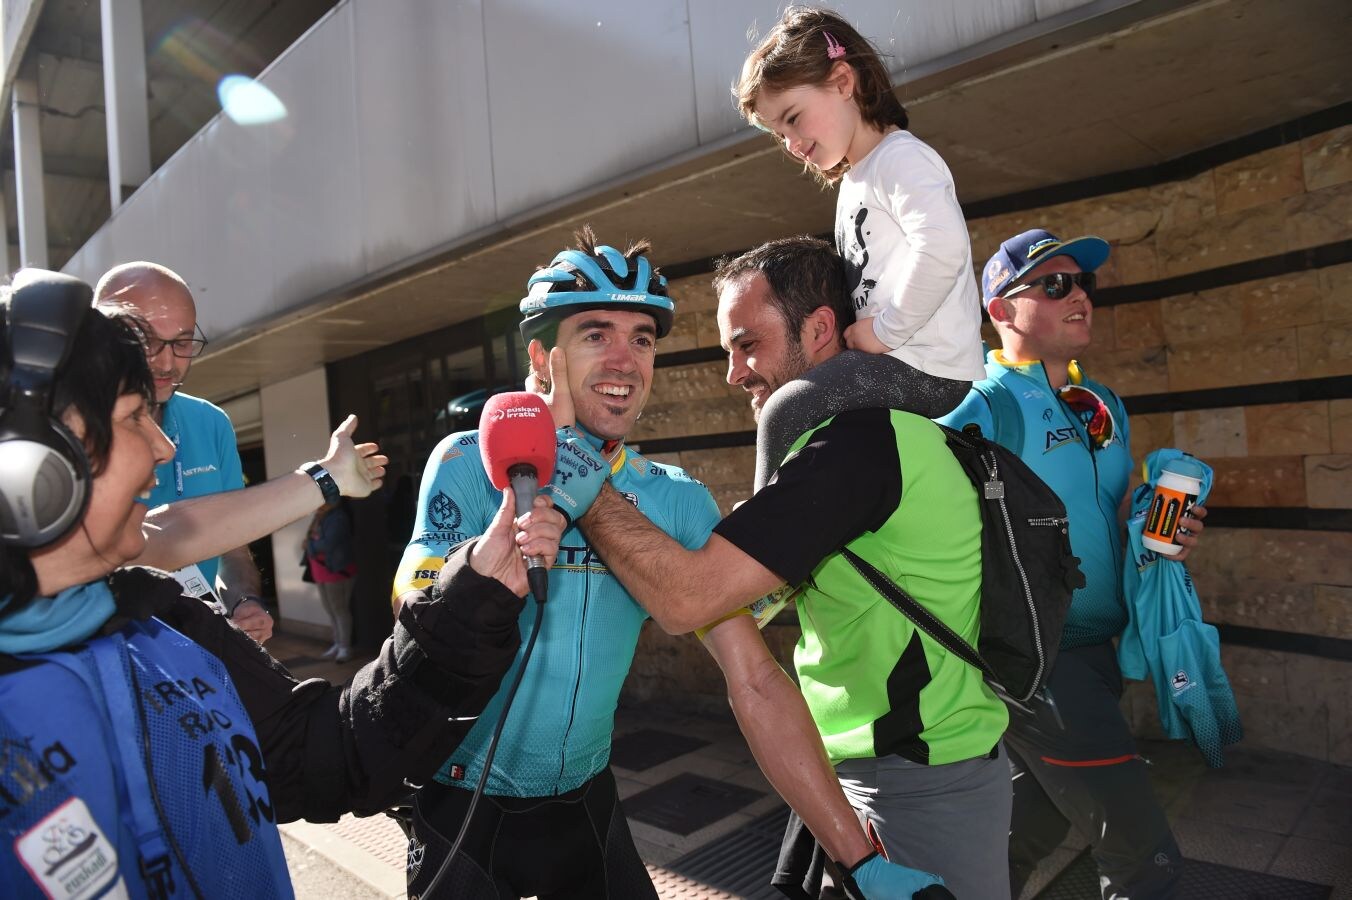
(415, 575)
(1073, 371)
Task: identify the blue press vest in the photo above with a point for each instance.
(124, 759)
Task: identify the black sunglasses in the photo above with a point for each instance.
(1057, 285)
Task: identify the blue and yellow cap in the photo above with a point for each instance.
(1022, 252)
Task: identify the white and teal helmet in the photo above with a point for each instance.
(576, 281)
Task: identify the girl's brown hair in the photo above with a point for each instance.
(796, 52)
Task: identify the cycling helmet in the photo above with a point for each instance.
(576, 281)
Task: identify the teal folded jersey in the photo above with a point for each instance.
(1166, 639)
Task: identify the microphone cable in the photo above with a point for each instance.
(430, 894)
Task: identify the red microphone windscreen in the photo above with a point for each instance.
(515, 428)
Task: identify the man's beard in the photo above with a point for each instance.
(795, 363)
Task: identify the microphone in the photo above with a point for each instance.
(516, 441)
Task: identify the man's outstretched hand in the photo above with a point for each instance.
(499, 552)
(357, 469)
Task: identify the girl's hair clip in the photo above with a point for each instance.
(834, 48)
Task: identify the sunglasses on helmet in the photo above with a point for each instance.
(1057, 285)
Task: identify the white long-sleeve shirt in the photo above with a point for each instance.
(908, 258)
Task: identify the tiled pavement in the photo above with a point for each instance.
(1264, 812)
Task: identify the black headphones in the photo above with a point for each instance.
(44, 474)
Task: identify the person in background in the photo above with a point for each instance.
(205, 459)
(332, 566)
(1074, 759)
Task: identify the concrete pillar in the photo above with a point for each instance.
(28, 188)
(296, 431)
(124, 95)
(5, 265)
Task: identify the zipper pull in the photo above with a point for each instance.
(994, 488)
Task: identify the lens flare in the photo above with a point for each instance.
(248, 102)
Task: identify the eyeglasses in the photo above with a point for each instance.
(1093, 413)
(183, 348)
(1057, 285)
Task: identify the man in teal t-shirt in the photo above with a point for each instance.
(206, 460)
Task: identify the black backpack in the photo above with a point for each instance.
(1028, 573)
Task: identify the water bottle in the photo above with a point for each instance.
(1176, 493)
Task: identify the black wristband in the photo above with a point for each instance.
(242, 600)
(324, 480)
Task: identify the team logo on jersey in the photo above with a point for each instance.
(442, 512)
(1181, 682)
(451, 454)
(1057, 437)
(1047, 414)
(631, 497)
(582, 557)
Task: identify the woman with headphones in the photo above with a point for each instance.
(148, 749)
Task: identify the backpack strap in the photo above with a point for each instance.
(926, 621)
(1005, 411)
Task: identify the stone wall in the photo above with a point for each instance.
(1215, 333)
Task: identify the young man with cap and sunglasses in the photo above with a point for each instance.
(1073, 432)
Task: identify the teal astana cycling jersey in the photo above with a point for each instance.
(1065, 438)
(559, 728)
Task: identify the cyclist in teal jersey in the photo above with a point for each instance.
(1073, 433)
(550, 824)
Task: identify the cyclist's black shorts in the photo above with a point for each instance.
(575, 846)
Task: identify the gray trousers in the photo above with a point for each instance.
(337, 599)
(952, 820)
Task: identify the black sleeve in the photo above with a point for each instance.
(330, 750)
(846, 480)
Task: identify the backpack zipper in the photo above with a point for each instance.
(993, 471)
